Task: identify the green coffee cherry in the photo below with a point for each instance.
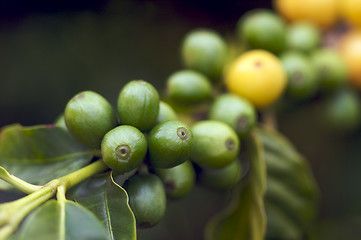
(166, 113)
(222, 178)
(262, 29)
(179, 180)
(138, 105)
(205, 51)
(123, 148)
(169, 144)
(215, 144)
(88, 117)
(330, 69)
(188, 86)
(235, 111)
(147, 199)
(343, 111)
(301, 75)
(303, 36)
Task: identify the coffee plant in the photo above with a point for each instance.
(110, 172)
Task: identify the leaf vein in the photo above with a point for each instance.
(107, 212)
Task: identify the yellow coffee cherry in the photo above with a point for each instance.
(258, 76)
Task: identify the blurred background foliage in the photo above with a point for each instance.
(51, 50)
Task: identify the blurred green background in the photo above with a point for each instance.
(50, 50)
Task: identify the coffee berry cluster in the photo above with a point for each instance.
(165, 156)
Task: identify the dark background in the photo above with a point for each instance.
(50, 50)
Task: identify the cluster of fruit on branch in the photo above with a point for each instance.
(205, 129)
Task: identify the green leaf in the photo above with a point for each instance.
(62, 221)
(41, 153)
(244, 218)
(279, 224)
(292, 196)
(109, 202)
